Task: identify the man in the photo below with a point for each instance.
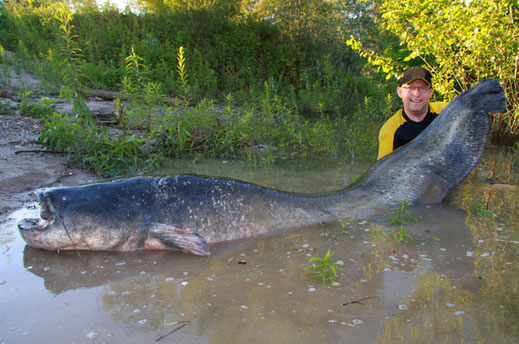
(415, 90)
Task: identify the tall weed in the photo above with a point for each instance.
(183, 76)
(142, 95)
(359, 132)
(71, 55)
(48, 70)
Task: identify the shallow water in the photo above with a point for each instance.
(457, 280)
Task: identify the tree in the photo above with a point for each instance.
(316, 18)
(161, 6)
(461, 42)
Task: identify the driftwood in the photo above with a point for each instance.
(111, 95)
(183, 323)
(38, 151)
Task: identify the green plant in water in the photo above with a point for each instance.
(324, 270)
(401, 236)
(401, 215)
(481, 209)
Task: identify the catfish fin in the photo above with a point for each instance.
(171, 237)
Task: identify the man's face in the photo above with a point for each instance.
(415, 96)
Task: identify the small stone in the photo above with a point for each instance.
(92, 335)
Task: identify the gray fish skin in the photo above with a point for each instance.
(186, 213)
(425, 170)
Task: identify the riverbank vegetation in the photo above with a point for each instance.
(266, 80)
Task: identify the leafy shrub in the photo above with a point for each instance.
(359, 131)
(6, 108)
(59, 133)
(40, 109)
(93, 148)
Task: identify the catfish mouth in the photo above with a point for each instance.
(46, 219)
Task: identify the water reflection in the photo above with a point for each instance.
(67, 271)
(308, 176)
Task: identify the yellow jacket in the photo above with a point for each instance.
(398, 125)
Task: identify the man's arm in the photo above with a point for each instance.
(386, 135)
(385, 143)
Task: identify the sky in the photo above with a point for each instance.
(119, 3)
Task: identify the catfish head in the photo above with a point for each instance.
(111, 216)
(47, 231)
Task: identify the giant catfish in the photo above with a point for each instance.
(186, 213)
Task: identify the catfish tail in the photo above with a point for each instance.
(486, 97)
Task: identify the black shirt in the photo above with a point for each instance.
(411, 129)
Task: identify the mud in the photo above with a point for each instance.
(22, 167)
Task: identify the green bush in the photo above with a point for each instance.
(39, 109)
(93, 148)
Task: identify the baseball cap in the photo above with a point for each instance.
(416, 73)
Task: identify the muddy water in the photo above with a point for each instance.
(456, 280)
